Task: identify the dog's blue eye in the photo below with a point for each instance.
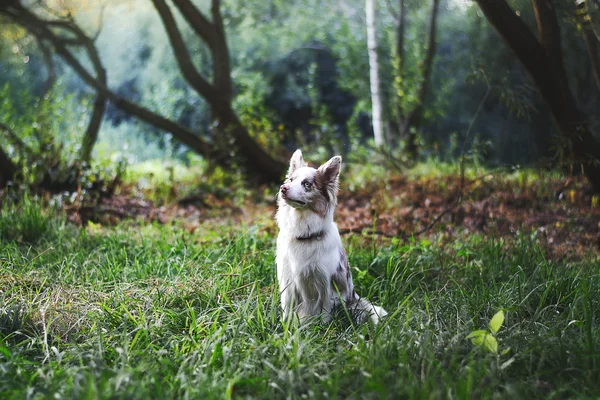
(306, 184)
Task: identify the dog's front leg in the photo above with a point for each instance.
(286, 296)
(328, 306)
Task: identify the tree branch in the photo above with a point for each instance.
(182, 56)
(543, 62)
(391, 10)
(220, 52)
(81, 39)
(199, 23)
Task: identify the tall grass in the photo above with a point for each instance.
(156, 312)
(26, 220)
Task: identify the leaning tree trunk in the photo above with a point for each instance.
(7, 169)
(542, 58)
(591, 42)
(91, 134)
(374, 74)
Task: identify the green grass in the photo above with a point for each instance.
(152, 311)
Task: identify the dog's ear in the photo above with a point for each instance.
(296, 162)
(327, 176)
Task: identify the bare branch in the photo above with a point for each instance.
(100, 24)
(392, 12)
(199, 23)
(182, 56)
(221, 63)
(264, 167)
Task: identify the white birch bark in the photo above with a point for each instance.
(374, 73)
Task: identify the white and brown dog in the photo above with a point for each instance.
(312, 266)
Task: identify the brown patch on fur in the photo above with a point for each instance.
(326, 182)
(320, 203)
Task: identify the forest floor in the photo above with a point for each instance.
(561, 212)
(137, 297)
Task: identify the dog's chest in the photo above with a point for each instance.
(313, 259)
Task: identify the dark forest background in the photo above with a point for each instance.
(293, 74)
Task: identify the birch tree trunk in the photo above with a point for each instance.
(374, 74)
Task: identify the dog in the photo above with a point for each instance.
(312, 267)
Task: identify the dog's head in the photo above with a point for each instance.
(306, 188)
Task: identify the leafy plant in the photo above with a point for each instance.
(26, 220)
(487, 339)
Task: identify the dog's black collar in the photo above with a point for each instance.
(311, 236)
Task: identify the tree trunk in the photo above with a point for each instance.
(374, 74)
(91, 133)
(543, 61)
(400, 31)
(591, 43)
(416, 115)
(251, 155)
(7, 169)
(409, 123)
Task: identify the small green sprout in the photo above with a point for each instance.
(487, 339)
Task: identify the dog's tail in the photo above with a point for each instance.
(362, 310)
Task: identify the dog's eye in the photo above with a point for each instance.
(306, 184)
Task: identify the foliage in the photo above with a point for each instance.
(45, 141)
(40, 136)
(284, 99)
(27, 221)
(487, 339)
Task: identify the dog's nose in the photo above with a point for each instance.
(283, 188)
